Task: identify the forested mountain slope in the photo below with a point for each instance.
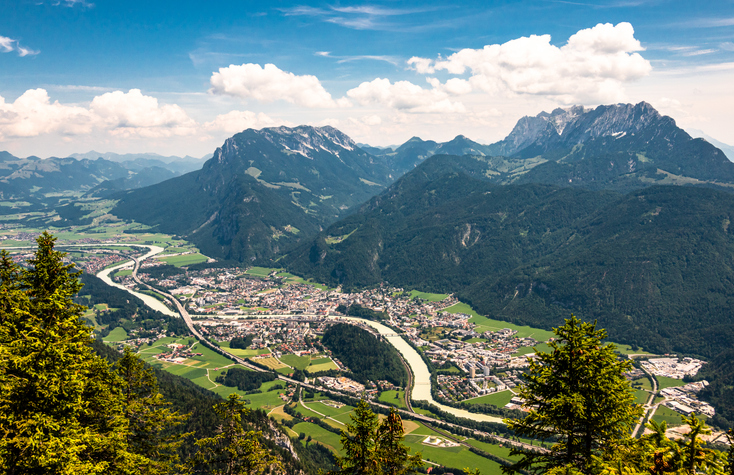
(261, 192)
(656, 266)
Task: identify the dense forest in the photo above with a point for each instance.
(368, 358)
(245, 380)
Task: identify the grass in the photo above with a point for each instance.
(320, 435)
(484, 324)
(427, 296)
(627, 349)
(185, 260)
(259, 271)
(271, 363)
(496, 399)
(665, 382)
(297, 362)
(117, 334)
(641, 397)
(644, 383)
(668, 415)
(316, 368)
(390, 397)
(494, 449)
(453, 457)
(209, 357)
(539, 348)
(248, 352)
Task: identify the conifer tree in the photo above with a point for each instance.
(60, 408)
(359, 442)
(576, 393)
(373, 448)
(233, 451)
(392, 453)
(151, 424)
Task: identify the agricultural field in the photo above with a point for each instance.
(539, 348)
(185, 259)
(118, 334)
(271, 362)
(427, 296)
(396, 398)
(665, 382)
(499, 399)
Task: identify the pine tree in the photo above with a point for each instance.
(60, 408)
(576, 393)
(373, 448)
(359, 442)
(391, 452)
(233, 451)
(151, 424)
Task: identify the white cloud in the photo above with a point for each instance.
(134, 113)
(122, 114)
(591, 67)
(8, 45)
(237, 121)
(269, 83)
(405, 96)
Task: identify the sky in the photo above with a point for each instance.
(178, 78)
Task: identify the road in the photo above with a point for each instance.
(648, 408)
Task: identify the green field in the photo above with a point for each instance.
(185, 260)
(248, 352)
(644, 383)
(668, 415)
(259, 271)
(496, 399)
(320, 435)
(539, 348)
(316, 368)
(117, 334)
(665, 382)
(297, 362)
(389, 397)
(627, 349)
(427, 296)
(641, 397)
(487, 324)
(494, 449)
(454, 457)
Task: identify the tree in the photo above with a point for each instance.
(233, 451)
(151, 423)
(373, 448)
(60, 405)
(577, 394)
(359, 442)
(392, 454)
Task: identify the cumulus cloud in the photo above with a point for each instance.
(591, 66)
(269, 83)
(132, 113)
(8, 45)
(405, 96)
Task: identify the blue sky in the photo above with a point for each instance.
(179, 77)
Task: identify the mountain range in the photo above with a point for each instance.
(613, 213)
